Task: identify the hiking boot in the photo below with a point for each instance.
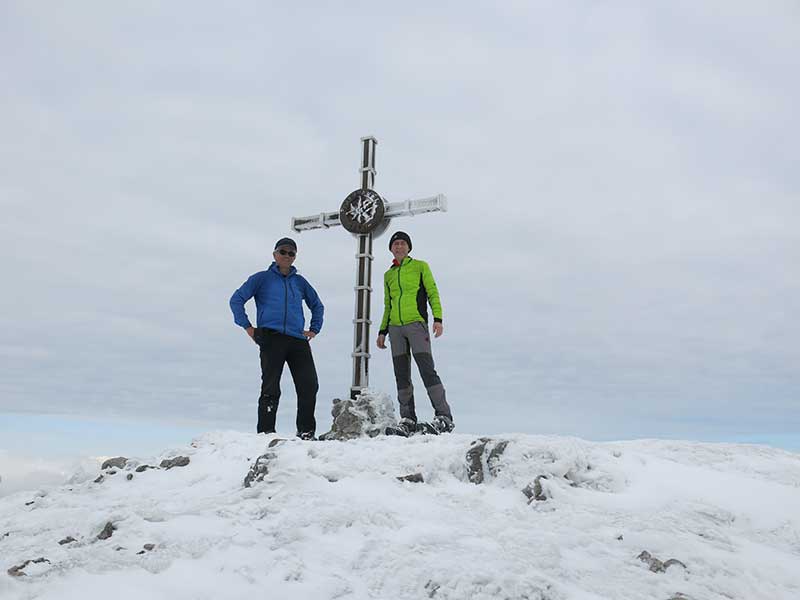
(306, 435)
(405, 428)
(442, 424)
(426, 428)
(409, 426)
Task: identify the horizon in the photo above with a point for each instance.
(43, 451)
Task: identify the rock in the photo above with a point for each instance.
(539, 493)
(493, 462)
(535, 491)
(129, 476)
(17, 570)
(619, 538)
(259, 469)
(5, 535)
(107, 532)
(656, 565)
(119, 463)
(672, 562)
(475, 460)
(413, 478)
(67, 540)
(147, 548)
(99, 479)
(367, 415)
(143, 468)
(178, 461)
(275, 442)
(29, 503)
(528, 491)
(680, 596)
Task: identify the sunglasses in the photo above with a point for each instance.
(283, 252)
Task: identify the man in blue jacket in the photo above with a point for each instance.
(281, 335)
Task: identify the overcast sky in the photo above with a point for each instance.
(619, 259)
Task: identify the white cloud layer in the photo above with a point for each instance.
(619, 258)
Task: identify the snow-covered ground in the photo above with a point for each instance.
(331, 520)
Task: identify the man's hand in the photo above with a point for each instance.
(310, 335)
(438, 329)
(381, 342)
(250, 331)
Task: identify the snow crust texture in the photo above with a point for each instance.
(446, 517)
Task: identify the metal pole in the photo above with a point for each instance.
(363, 288)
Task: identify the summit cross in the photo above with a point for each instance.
(366, 215)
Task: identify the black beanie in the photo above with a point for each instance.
(285, 242)
(400, 235)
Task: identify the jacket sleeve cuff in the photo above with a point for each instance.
(383, 332)
(437, 320)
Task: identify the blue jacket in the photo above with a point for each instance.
(278, 302)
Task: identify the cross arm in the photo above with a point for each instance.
(416, 207)
(320, 221)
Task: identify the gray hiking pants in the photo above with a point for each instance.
(406, 340)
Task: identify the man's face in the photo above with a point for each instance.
(284, 256)
(399, 250)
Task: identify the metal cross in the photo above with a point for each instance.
(366, 215)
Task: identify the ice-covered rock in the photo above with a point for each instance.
(118, 462)
(366, 416)
(178, 461)
(481, 463)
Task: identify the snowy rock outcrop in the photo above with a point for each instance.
(536, 491)
(366, 416)
(108, 531)
(18, 570)
(118, 462)
(259, 469)
(171, 463)
(483, 458)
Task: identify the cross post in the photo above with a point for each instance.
(366, 215)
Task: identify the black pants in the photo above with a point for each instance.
(277, 349)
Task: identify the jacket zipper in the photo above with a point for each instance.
(285, 303)
(400, 299)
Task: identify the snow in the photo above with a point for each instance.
(331, 520)
(23, 472)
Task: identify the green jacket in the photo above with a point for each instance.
(408, 288)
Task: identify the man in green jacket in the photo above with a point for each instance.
(408, 288)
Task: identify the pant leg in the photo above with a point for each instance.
(306, 384)
(273, 356)
(401, 361)
(420, 341)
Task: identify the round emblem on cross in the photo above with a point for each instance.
(362, 211)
